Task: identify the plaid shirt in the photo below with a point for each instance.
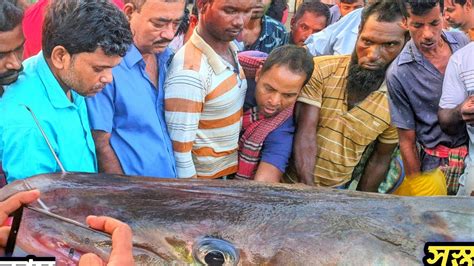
(273, 35)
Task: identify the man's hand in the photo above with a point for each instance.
(121, 242)
(9, 206)
(467, 110)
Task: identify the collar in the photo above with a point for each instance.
(265, 27)
(214, 59)
(54, 91)
(411, 53)
(133, 56)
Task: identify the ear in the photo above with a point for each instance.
(128, 10)
(468, 5)
(193, 20)
(258, 73)
(60, 57)
(404, 23)
(292, 23)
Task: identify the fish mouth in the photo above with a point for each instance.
(214, 251)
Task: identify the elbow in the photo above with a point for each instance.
(446, 125)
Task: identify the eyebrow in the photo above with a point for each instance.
(166, 20)
(14, 49)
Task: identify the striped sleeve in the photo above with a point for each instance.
(184, 98)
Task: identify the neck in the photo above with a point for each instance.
(55, 72)
(254, 24)
(220, 47)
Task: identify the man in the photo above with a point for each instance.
(457, 107)
(11, 42)
(414, 82)
(310, 17)
(460, 14)
(267, 135)
(344, 107)
(127, 117)
(344, 7)
(33, 24)
(121, 233)
(262, 33)
(82, 41)
(204, 92)
(11, 49)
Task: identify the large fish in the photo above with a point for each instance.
(245, 223)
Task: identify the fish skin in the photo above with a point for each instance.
(268, 224)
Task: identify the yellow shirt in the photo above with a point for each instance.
(342, 134)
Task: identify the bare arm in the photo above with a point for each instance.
(377, 167)
(106, 157)
(268, 173)
(304, 149)
(409, 151)
(451, 120)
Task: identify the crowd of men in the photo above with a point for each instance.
(371, 96)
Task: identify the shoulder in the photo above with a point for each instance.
(275, 25)
(331, 63)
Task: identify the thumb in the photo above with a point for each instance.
(90, 259)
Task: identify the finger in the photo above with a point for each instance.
(4, 232)
(121, 238)
(14, 202)
(90, 259)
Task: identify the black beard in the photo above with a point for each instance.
(361, 81)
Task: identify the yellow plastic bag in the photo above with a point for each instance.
(431, 183)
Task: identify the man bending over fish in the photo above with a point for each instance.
(82, 41)
(344, 106)
(121, 233)
(267, 134)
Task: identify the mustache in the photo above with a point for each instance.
(163, 41)
(10, 76)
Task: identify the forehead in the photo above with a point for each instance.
(235, 4)
(10, 40)
(163, 9)
(450, 3)
(358, 2)
(382, 32)
(432, 15)
(98, 58)
(311, 18)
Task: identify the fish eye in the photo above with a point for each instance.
(214, 252)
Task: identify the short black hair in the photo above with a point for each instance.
(85, 25)
(315, 7)
(11, 14)
(384, 10)
(297, 59)
(420, 7)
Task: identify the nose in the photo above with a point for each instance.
(275, 99)
(373, 53)
(13, 61)
(239, 20)
(107, 77)
(427, 34)
(169, 32)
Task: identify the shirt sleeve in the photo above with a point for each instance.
(389, 136)
(184, 98)
(454, 91)
(312, 92)
(101, 109)
(25, 152)
(278, 144)
(321, 43)
(401, 113)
